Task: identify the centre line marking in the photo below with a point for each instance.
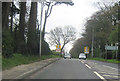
(82, 62)
(100, 76)
(88, 66)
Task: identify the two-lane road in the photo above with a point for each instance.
(66, 69)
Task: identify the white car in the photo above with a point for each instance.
(67, 56)
(82, 56)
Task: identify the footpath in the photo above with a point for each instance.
(22, 71)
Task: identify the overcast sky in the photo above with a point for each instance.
(63, 15)
(76, 15)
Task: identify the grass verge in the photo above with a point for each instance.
(105, 60)
(19, 59)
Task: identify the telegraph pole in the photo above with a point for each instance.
(118, 29)
(41, 28)
(92, 49)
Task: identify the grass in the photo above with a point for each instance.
(0, 62)
(105, 60)
(19, 59)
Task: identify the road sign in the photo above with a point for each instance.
(111, 47)
(58, 48)
(86, 50)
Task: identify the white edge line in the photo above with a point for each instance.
(100, 76)
(88, 66)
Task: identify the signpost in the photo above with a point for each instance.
(86, 50)
(111, 48)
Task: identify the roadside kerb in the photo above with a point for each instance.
(33, 70)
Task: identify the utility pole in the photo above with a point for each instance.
(118, 29)
(92, 41)
(41, 28)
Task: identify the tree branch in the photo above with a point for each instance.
(50, 11)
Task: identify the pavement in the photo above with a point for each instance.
(22, 71)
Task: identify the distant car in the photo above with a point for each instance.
(67, 56)
(82, 56)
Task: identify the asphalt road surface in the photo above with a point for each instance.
(71, 69)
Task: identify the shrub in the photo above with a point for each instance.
(7, 44)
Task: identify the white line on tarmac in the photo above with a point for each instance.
(111, 76)
(100, 76)
(102, 72)
(88, 66)
(25, 73)
(110, 67)
(82, 62)
(108, 73)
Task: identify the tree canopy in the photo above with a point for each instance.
(104, 31)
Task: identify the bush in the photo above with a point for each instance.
(97, 52)
(7, 44)
(45, 48)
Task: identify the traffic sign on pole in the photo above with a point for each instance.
(58, 48)
(86, 50)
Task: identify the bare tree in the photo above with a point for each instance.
(62, 36)
(50, 4)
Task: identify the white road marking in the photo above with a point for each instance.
(82, 61)
(100, 76)
(110, 76)
(110, 67)
(25, 73)
(88, 66)
(108, 73)
(95, 63)
(101, 72)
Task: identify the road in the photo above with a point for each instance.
(74, 69)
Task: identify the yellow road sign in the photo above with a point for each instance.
(58, 48)
(86, 50)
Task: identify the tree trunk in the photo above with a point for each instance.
(5, 15)
(11, 22)
(43, 32)
(62, 48)
(21, 41)
(32, 35)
